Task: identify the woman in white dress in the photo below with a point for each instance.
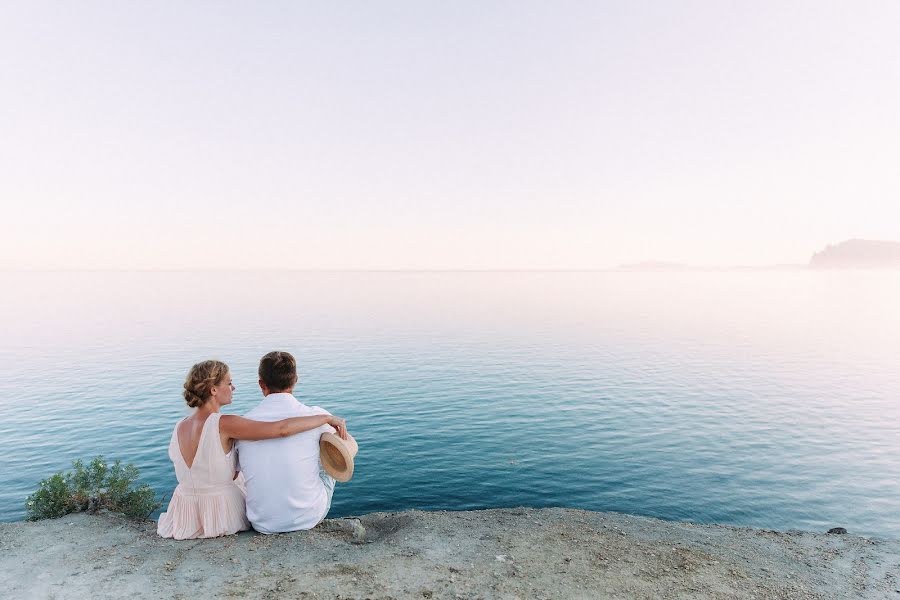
(209, 498)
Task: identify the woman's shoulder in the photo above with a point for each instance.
(227, 421)
(215, 419)
(179, 423)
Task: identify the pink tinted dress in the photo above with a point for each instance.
(208, 501)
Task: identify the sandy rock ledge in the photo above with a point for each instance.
(504, 553)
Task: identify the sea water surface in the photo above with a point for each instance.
(755, 398)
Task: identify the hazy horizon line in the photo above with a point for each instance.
(635, 267)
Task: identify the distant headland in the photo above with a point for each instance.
(857, 253)
(850, 254)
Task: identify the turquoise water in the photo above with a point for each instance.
(766, 399)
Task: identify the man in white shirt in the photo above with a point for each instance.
(287, 489)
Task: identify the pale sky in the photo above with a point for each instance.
(426, 135)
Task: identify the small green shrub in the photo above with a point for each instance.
(90, 488)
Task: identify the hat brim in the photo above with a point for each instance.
(337, 455)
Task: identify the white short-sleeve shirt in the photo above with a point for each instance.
(284, 490)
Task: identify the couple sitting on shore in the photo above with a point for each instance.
(262, 470)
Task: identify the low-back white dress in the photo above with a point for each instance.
(208, 501)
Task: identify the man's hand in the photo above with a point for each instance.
(340, 425)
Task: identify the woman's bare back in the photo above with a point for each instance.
(190, 432)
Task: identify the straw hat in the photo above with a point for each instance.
(337, 455)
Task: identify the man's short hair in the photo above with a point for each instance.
(278, 370)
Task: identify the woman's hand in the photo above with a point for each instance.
(339, 424)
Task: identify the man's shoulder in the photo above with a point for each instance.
(270, 412)
(255, 411)
(254, 414)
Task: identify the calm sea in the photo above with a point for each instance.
(767, 399)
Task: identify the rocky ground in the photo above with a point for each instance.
(508, 553)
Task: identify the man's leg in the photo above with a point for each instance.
(328, 481)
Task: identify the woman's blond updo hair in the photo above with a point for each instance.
(200, 380)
